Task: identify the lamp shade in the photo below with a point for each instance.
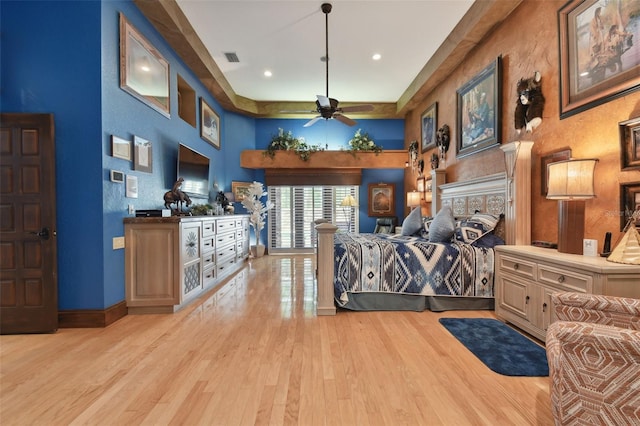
(413, 199)
(571, 179)
(349, 201)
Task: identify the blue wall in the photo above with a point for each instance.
(66, 62)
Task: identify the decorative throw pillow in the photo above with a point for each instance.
(489, 240)
(467, 231)
(426, 223)
(443, 226)
(488, 220)
(412, 223)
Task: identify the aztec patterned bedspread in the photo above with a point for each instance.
(410, 265)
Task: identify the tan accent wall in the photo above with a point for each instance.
(528, 41)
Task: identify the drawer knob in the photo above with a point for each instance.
(526, 300)
(544, 307)
(516, 266)
(561, 279)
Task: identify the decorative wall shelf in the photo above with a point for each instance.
(388, 159)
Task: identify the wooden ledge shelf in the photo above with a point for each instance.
(387, 159)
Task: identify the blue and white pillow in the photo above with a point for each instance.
(488, 220)
(468, 231)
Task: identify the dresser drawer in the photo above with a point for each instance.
(208, 244)
(208, 228)
(208, 259)
(223, 252)
(564, 280)
(225, 225)
(209, 276)
(226, 266)
(224, 239)
(517, 267)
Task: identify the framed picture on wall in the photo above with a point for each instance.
(429, 125)
(630, 144)
(479, 103)
(382, 199)
(120, 148)
(599, 54)
(144, 73)
(143, 155)
(209, 124)
(629, 204)
(240, 190)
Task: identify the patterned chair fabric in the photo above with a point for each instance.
(594, 360)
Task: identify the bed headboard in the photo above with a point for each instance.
(506, 193)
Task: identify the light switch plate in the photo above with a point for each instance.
(118, 243)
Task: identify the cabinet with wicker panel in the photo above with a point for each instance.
(527, 276)
(171, 261)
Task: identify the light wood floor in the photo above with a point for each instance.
(253, 352)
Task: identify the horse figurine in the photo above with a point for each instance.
(176, 196)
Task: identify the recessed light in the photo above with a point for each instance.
(376, 56)
(267, 73)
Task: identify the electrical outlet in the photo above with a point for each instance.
(118, 243)
(132, 210)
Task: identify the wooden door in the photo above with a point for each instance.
(28, 261)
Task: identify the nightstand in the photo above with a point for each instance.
(525, 278)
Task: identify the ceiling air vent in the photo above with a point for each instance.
(231, 57)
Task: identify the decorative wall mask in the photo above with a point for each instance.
(528, 114)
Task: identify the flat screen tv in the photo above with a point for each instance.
(193, 167)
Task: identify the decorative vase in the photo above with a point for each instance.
(257, 251)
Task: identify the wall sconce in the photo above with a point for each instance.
(571, 182)
(348, 203)
(413, 199)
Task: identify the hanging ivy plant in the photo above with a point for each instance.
(285, 141)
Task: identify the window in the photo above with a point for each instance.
(291, 221)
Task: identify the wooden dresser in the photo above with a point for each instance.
(527, 276)
(170, 261)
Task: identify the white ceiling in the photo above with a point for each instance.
(288, 38)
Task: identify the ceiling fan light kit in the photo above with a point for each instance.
(329, 108)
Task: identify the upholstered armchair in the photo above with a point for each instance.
(594, 360)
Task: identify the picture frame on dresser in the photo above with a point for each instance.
(479, 103)
(597, 63)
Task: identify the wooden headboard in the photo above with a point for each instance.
(506, 193)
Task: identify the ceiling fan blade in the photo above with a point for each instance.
(312, 121)
(346, 120)
(306, 111)
(324, 101)
(357, 108)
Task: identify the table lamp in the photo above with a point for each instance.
(571, 182)
(413, 199)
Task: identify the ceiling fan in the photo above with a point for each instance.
(327, 107)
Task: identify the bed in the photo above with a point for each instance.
(395, 272)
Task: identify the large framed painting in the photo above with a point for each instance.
(630, 144)
(240, 190)
(144, 73)
(429, 124)
(382, 199)
(479, 103)
(599, 52)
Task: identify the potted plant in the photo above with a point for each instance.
(257, 211)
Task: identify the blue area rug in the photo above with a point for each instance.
(500, 347)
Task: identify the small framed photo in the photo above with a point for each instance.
(143, 155)
(240, 190)
(382, 199)
(131, 186)
(209, 124)
(564, 154)
(429, 126)
(478, 111)
(120, 148)
(630, 144)
(629, 204)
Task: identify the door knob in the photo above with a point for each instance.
(43, 233)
